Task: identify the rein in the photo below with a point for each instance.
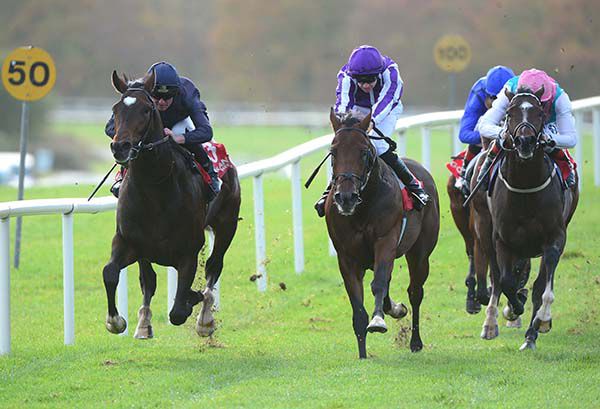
(521, 125)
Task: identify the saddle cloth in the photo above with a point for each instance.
(218, 156)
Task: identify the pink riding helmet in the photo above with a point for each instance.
(534, 80)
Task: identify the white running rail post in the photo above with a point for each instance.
(579, 148)
(68, 279)
(297, 217)
(171, 289)
(596, 133)
(259, 234)
(123, 304)
(5, 286)
(426, 147)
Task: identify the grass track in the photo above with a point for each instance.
(294, 348)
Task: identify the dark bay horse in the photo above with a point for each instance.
(529, 211)
(369, 228)
(162, 213)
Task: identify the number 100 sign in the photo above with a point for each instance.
(28, 73)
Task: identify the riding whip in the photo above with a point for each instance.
(478, 185)
(101, 182)
(312, 176)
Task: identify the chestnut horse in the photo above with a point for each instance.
(370, 228)
(162, 213)
(530, 212)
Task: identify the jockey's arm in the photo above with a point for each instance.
(489, 124)
(203, 131)
(344, 93)
(564, 132)
(474, 109)
(390, 94)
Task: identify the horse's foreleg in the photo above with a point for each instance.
(536, 298)
(490, 324)
(508, 282)
(418, 268)
(182, 307)
(353, 281)
(384, 263)
(121, 257)
(148, 286)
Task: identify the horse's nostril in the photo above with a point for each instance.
(337, 196)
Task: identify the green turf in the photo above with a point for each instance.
(294, 348)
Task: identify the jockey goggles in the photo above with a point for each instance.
(164, 92)
(365, 79)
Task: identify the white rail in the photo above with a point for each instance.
(256, 170)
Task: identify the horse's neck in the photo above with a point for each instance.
(526, 173)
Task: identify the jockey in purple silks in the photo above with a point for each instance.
(371, 82)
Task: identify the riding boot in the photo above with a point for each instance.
(406, 176)
(472, 151)
(320, 204)
(114, 189)
(492, 152)
(206, 163)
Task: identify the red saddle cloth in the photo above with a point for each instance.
(407, 201)
(565, 163)
(219, 158)
(456, 164)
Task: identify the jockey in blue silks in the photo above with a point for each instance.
(183, 115)
(371, 82)
(480, 99)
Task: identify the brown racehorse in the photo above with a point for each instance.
(162, 213)
(529, 212)
(369, 228)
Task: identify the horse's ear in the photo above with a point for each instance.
(366, 122)
(149, 81)
(509, 94)
(539, 93)
(335, 121)
(119, 85)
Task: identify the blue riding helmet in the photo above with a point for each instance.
(365, 60)
(166, 80)
(496, 77)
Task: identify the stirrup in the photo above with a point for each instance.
(421, 198)
(114, 189)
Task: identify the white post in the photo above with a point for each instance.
(217, 286)
(401, 144)
(123, 305)
(171, 288)
(5, 286)
(332, 251)
(579, 148)
(456, 144)
(297, 217)
(68, 280)
(596, 132)
(259, 234)
(426, 147)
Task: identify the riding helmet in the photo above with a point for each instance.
(534, 80)
(495, 79)
(166, 79)
(365, 60)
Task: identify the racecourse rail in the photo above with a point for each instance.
(256, 170)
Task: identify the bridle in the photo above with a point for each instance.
(369, 163)
(142, 146)
(521, 125)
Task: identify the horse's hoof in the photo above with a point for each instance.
(473, 306)
(416, 346)
(144, 332)
(528, 344)
(177, 318)
(509, 314)
(542, 327)
(489, 331)
(377, 324)
(116, 324)
(483, 299)
(397, 311)
(514, 323)
(205, 330)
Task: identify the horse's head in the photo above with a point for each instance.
(135, 116)
(524, 122)
(353, 157)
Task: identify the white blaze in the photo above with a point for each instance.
(129, 100)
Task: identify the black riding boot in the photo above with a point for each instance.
(491, 155)
(406, 176)
(206, 163)
(114, 189)
(320, 204)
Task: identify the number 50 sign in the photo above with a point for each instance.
(28, 73)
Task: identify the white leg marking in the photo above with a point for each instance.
(543, 313)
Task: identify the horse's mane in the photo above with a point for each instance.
(349, 119)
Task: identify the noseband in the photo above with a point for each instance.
(142, 145)
(523, 124)
(369, 162)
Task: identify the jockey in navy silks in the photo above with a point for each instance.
(372, 82)
(559, 125)
(183, 115)
(480, 99)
